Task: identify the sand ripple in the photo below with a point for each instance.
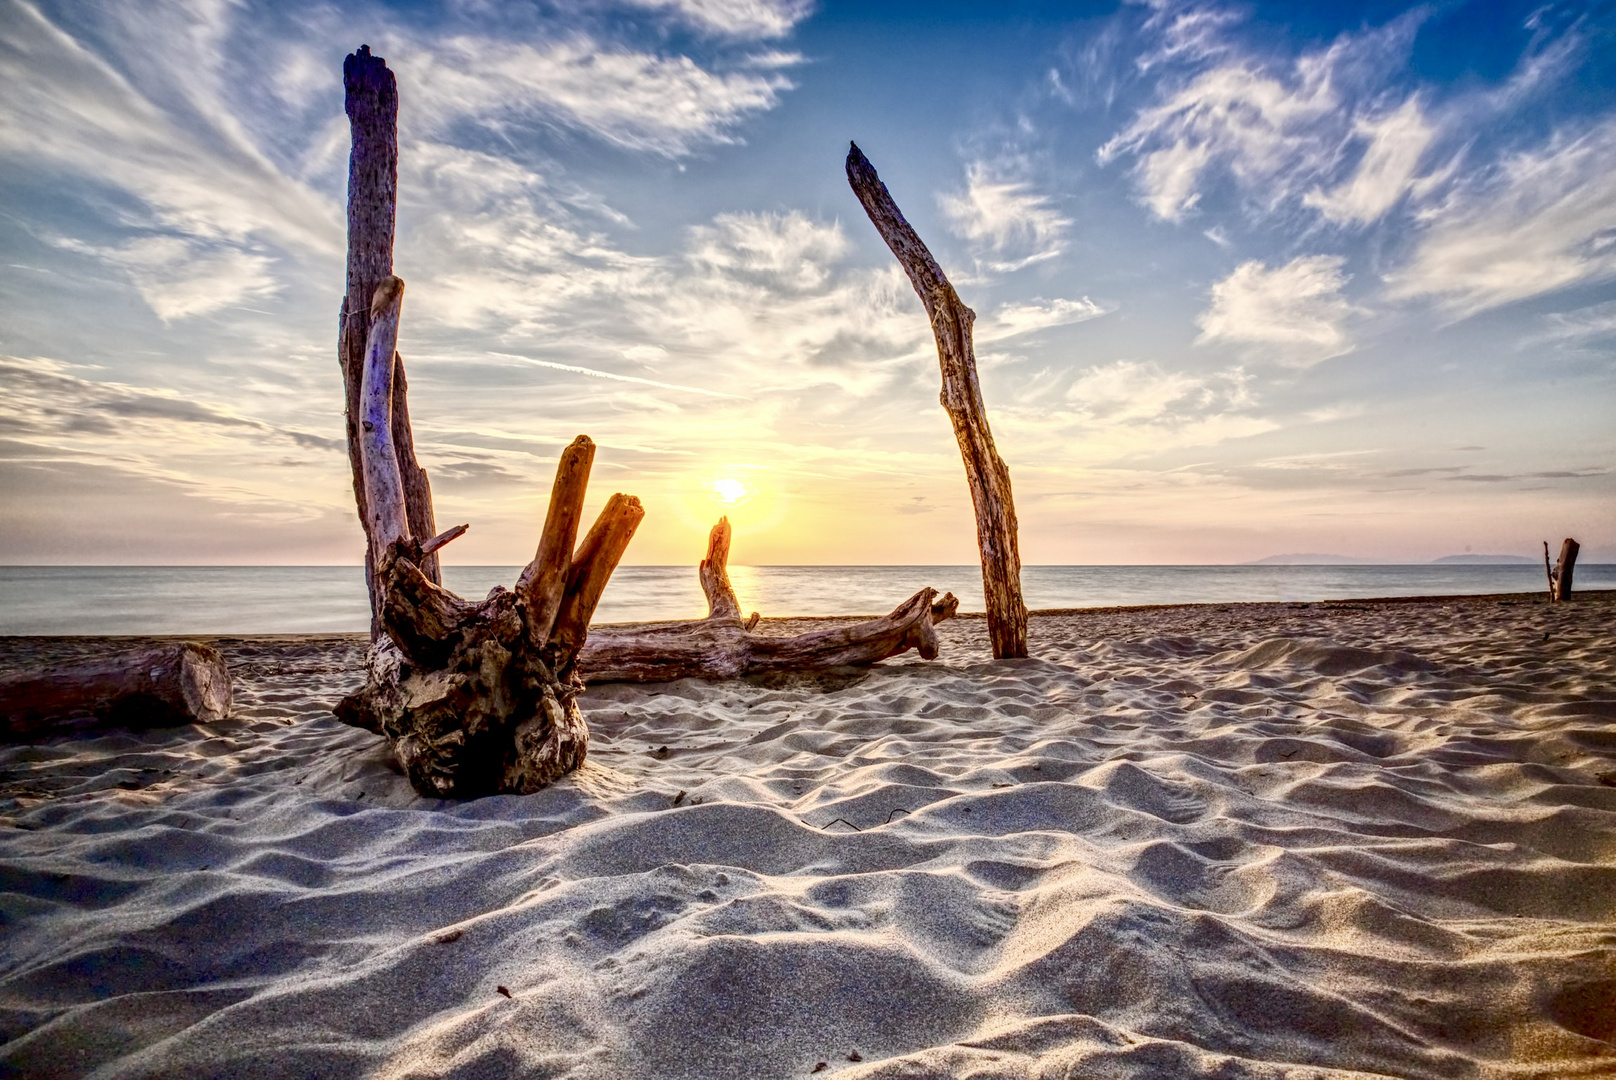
(1242, 841)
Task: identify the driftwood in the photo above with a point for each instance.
(1560, 572)
(372, 107)
(723, 646)
(165, 686)
(475, 698)
(985, 471)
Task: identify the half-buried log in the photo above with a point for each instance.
(475, 698)
(164, 686)
(723, 646)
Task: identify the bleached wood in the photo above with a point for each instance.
(714, 574)
(388, 518)
(985, 471)
(168, 685)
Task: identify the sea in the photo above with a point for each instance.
(209, 600)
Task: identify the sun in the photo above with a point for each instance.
(730, 490)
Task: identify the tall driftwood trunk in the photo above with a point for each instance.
(372, 107)
(167, 685)
(1560, 573)
(985, 471)
(723, 646)
(475, 698)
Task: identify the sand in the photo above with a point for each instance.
(1235, 841)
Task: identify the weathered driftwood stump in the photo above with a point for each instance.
(985, 471)
(723, 646)
(165, 686)
(1560, 573)
(476, 698)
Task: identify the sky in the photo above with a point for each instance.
(1250, 278)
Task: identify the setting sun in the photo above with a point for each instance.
(730, 490)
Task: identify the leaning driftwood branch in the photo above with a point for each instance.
(722, 646)
(1560, 573)
(985, 471)
(475, 698)
(185, 683)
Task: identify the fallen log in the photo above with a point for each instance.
(1560, 573)
(985, 471)
(164, 686)
(723, 646)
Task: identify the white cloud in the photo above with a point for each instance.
(1584, 324)
(1006, 219)
(179, 278)
(1129, 390)
(1279, 131)
(666, 105)
(736, 18)
(1542, 220)
(1396, 143)
(1024, 318)
(72, 112)
(1293, 314)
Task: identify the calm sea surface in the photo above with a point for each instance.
(323, 599)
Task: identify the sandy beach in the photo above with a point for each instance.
(1358, 839)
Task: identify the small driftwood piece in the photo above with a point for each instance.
(372, 106)
(1560, 572)
(723, 646)
(985, 471)
(164, 686)
(475, 698)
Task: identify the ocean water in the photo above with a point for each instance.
(326, 599)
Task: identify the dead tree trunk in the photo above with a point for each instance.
(164, 686)
(985, 471)
(1560, 572)
(372, 106)
(476, 698)
(723, 646)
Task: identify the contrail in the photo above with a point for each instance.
(576, 370)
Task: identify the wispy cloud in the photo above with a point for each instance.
(1281, 130)
(1541, 220)
(1028, 316)
(1009, 223)
(736, 18)
(642, 101)
(1294, 314)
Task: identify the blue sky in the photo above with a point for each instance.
(1249, 279)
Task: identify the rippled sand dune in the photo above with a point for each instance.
(1236, 841)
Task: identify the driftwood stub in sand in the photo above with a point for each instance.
(163, 686)
(1560, 573)
(985, 470)
(723, 646)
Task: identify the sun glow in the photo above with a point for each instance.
(730, 490)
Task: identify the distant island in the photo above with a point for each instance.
(1317, 559)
